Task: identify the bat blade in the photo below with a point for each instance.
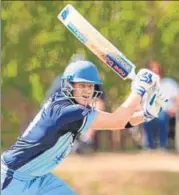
(96, 42)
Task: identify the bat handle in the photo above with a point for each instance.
(132, 75)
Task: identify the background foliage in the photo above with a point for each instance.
(36, 48)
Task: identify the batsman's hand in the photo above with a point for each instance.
(144, 81)
(154, 103)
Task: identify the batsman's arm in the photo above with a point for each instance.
(143, 82)
(127, 120)
(137, 118)
(119, 118)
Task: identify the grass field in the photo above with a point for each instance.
(122, 174)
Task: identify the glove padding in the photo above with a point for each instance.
(144, 81)
(153, 105)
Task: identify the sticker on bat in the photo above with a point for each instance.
(65, 13)
(119, 66)
(109, 60)
(76, 32)
(124, 62)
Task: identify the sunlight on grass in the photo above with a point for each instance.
(125, 183)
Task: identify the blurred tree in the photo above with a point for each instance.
(36, 47)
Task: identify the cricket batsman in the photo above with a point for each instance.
(26, 166)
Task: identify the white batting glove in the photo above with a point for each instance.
(144, 81)
(153, 105)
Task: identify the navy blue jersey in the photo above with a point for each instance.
(49, 137)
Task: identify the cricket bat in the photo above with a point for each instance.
(96, 42)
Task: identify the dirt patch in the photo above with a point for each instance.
(151, 173)
(142, 161)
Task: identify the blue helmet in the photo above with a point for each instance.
(82, 71)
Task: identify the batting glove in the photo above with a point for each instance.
(144, 81)
(153, 105)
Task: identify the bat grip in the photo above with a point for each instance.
(132, 75)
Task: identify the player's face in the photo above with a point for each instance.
(83, 92)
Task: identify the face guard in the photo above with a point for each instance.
(68, 89)
(81, 71)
